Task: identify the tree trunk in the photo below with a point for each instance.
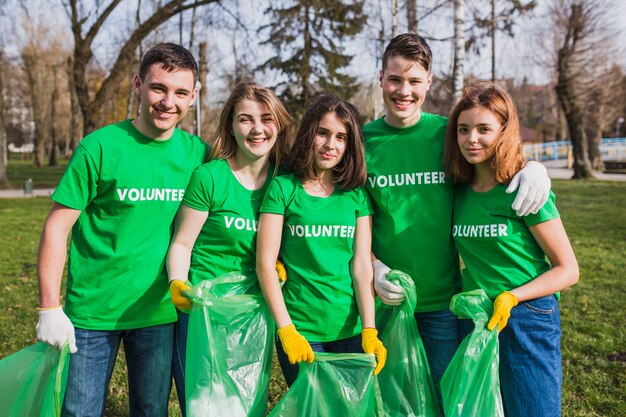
(394, 18)
(203, 91)
(38, 97)
(76, 128)
(595, 113)
(54, 144)
(566, 93)
(306, 58)
(3, 145)
(459, 49)
(493, 40)
(595, 156)
(411, 15)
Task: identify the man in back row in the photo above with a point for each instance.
(413, 202)
(119, 196)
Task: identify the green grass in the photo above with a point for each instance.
(21, 167)
(21, 221)
(592, 313)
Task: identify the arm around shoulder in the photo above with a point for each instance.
(534, 188)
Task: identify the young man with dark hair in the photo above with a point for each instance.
(413, 202)
(118, 197)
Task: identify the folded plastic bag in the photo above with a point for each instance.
(229, 348)
(335, 384)
(470, 386)
(32, 381)
(406, 383)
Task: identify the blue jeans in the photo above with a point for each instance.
(530, 359)
(290, 372)
(180, 353)
(148, 360)
(439, 331)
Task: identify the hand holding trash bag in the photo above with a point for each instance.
(391, 294)
(32, 381)
(181, 302)
(406, 384)
(335, 384)
(55, 328)
(229, 351)
(470, 386)
(295, 345)
(371, 344)
(502, 310)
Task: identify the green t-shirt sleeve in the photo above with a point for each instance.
(199, 193)
(79, 184)
(365, 207)
(547, 212)
(274, 200)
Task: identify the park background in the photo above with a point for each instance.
(66, 67)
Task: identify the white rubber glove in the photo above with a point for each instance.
(390, 293)
(54, 328)
(534, 188)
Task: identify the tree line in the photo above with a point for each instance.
(64, 75)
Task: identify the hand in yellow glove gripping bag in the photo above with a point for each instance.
(177, 286)
(295, 345)
(406, 384)
(371, 344)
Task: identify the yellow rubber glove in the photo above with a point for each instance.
(281, 271)
(371, 344)
(295, 345)
(502, 310)
(176, 287)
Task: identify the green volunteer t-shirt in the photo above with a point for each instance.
(129, 188)
(497, 246)
(227, 241)
(413, 206)
(317, 246)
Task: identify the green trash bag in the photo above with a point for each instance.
(335, 384)
(470, 386)
(32, 381)
(406, 383)
(229, 348)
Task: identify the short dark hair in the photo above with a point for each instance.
(350, 172)
(171, 56)
(409, 46)
(508, 157)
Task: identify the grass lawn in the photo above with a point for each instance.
(592, 313)
(21, 167)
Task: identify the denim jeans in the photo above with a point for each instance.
(180, 353)
(148, 360)
(439, 331)
(530, 359)
(290, 372)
